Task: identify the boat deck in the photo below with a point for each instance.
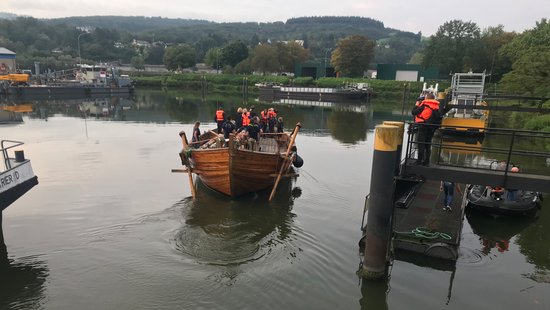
(425, 212)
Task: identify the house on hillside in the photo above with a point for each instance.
(7, 61)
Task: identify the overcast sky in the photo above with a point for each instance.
(418, 15)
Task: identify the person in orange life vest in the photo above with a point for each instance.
(272, 119)
(422, 113)
(246, 118)
(219, 118)
(263, 120)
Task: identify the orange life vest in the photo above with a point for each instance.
(430, 105)
(219, 115)
(246, 119)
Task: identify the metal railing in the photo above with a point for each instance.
(479, 148)
(5, 154)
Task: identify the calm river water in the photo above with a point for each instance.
(110, 227)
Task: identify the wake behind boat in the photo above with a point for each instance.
(236, 167)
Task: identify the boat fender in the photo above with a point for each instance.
(298, 161)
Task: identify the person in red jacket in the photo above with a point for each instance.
(423, 117)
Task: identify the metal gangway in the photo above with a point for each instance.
(467, 90)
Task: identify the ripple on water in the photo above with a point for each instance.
(222, 232)
(470, 256)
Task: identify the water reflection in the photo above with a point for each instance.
(346, 122)
(22, 281)
(220, 231)
(534, 243)
(495, 234)
(374, 294)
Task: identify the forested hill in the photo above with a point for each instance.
(335, 26)
(319, 33)
(112, 37)
(128, 23)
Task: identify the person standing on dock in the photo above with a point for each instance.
(219, 118)
(426, 115)
(449, 188)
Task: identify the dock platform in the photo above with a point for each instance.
(421, 225)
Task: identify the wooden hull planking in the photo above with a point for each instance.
(237, 172)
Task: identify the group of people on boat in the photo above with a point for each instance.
(246, 124)
(497, 192)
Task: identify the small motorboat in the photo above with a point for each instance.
(497, 200)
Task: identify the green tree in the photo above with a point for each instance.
(289, 54)
(212, 57)
(244, 67)
(353, 55)
(454, 47)
(233, 53)
(264, 59)
(138, 62)
(179, 57)
(155, 55)
(492, 40)
(530, 56)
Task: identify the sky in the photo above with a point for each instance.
(407, 15)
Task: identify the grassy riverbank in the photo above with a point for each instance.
(235, 83)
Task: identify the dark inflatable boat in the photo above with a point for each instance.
(498, 201)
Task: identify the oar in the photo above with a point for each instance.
(292, 139)
(189, 172)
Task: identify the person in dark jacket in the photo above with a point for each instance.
(196, 134)
(228, 127)
(239, 118)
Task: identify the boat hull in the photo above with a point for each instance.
(315, 94)
(15, 182)
(237, 172)
(464, 126)
(481, 199)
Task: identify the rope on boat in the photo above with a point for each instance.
(424, 233)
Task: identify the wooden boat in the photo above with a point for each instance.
(235, 169)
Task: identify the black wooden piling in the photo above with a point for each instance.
(378, 228)
(401, 126)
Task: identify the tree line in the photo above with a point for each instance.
(519, 61)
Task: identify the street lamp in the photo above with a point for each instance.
(78, 43)
(326, 52)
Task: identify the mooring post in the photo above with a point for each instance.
(3, 250)
(380, 202)
(400, 133)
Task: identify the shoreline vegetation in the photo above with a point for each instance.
(394, 91)
(235, 83)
